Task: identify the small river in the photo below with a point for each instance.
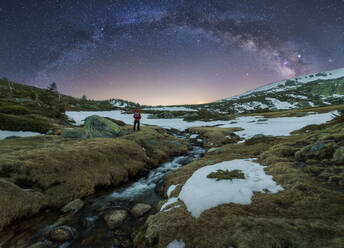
(87, 224)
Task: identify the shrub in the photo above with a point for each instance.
(23, 123)
(14, 109)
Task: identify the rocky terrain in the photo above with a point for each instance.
(85, 179)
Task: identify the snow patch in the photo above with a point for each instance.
(168, 210)
(280, 105)
(118, 103)
(281, 126)
(176, 244)
(193, 136)
(171, 189)
(169, 202)
(4, 134)
(200, 193)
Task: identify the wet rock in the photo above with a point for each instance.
(140, 209)
(115, 218)
(62, 233)
(185, 160)
(213, 149)
(338, 156)
(73, 205)
(159, 188)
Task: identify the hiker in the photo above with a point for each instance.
(137, 117)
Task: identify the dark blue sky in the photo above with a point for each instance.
(167, 52)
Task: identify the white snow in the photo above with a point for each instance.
(177, 108)
(118, 103)
(176, 206)
(274, 126)
(176, 244)
(171, 189)
(169, 202)
(193, 136)
(298, 96)
(200, 193)
(279, 104)
(249, 106)
(4, 134)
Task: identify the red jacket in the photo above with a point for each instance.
(137, 118)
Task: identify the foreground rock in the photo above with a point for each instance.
(115, 218)
(62, 234)
(140, 209)
(97, 126)
(73, 205)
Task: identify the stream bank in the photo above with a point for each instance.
(87, 226)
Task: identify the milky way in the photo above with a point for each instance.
(167, 52)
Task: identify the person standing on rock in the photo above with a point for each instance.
(137, 118)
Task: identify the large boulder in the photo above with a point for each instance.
(97, 126)
(115, 218)
(140, 209)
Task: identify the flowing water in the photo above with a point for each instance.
(87, 224)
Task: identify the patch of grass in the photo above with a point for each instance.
(308, 213)
(59, 170)
(294, 112)
(226, 175)
(24, 123)
(215, 136)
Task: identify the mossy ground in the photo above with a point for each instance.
(309, 212)
(295, 112)
(215, 136)
(227, 175)
(58, 170)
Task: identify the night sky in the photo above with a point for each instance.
(167, 52)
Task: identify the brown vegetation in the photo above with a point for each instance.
(50, 171)
(309, 212)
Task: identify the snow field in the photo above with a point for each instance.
(281, 126)
(200, 193)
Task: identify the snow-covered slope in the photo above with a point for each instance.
(312, 90)
(281, 85)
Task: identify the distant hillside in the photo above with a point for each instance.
(313, 90)
(28, 108)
